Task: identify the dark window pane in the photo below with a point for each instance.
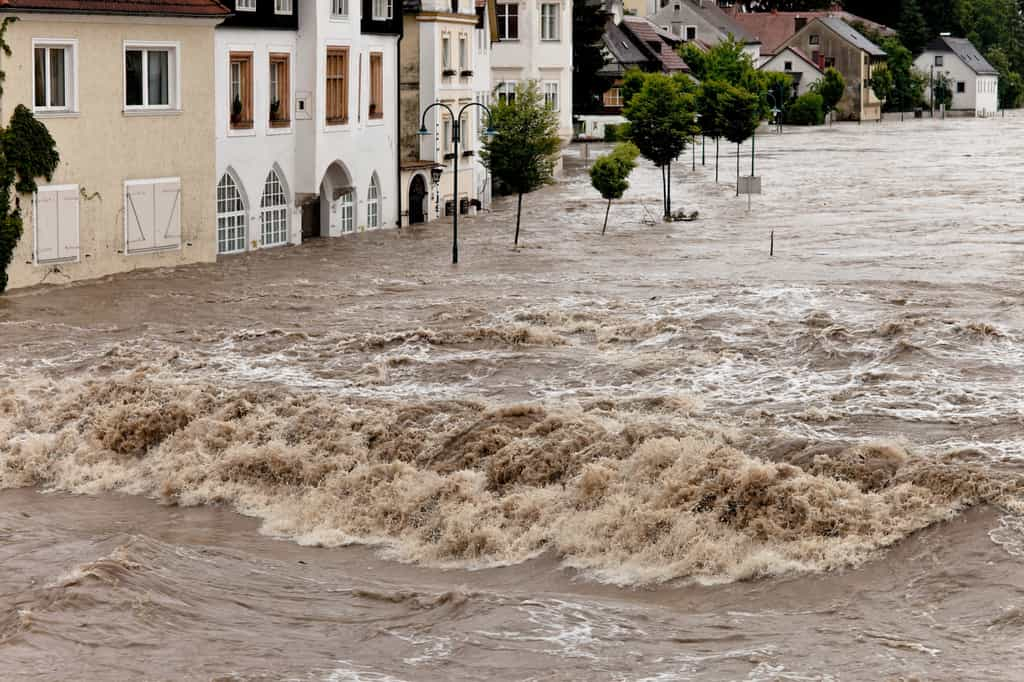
(158, 78)
(133, 77)
(58, 96)
(40, 70)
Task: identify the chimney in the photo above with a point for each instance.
(799, 23)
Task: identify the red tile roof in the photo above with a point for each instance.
(655, 40)
(775, 28)
(181, 8)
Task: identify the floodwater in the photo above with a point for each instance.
(660, 454)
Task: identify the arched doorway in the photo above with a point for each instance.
(337, 201)
(417, 200)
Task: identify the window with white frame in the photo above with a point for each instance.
(231, 217)
(53, 84)
(508, 21)
(381, 9)
(150, 76)
(55, 211)
(152, 214)
(446, 52)
(463, 52)
(245, 5)
(346, 212)
(549, 21)
(938, 60)
(446, 136)
(551, 94)
(273, 212)
(505, 92)
(373, 205)
(339, 8)
(282, 6)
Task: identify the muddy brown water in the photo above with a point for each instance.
(658, 454)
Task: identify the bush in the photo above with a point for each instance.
(807, 110)
(612, 132)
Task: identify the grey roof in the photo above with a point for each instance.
(713, 15)
(965, 50)
(621, 46)
(852, 36)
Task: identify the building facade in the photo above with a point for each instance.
(974, 82)
(535, 43)
(831, 42)
(135, 184)
(445, 59)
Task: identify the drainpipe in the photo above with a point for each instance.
(398, 123)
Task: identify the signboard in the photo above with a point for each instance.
(750, 184)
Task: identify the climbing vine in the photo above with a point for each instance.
(27, 152)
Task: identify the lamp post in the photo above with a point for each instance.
(456, 138)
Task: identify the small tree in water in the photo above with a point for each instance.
(661, 120)
(522, 154)
(609, 174)
(831, 89)
(740, 118)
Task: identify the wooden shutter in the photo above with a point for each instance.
(67, 212)
(138, 209)
(47, 226)
(336, 86)
(376, 85)
(167, 214)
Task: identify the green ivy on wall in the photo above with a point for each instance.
(27, 152)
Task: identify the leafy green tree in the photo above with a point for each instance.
(741, 115)
(942, 91)
(27, 152)
(609, 174)
(831, 88)
(807, 110)
(914, 30)
(523, 153)
(710, 109)
(908, 83)
(588, 24)
(661, 120)
(882, 83)
(780, 86)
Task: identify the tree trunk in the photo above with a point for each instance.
(668, 184)
(664, 191)
(716, 160)
(519, 214)
(737, 169)
(607, 208)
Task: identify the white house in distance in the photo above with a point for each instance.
(305, 127)
(793, 62)
(974, 81)
(535, 43)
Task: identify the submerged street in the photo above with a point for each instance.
(655, 454)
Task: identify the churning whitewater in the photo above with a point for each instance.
(658, 454)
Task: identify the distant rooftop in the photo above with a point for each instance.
(965, 50)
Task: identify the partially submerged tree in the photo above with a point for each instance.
(661, 120)
(710, 109)
(27, 152)
(741, 116)
(831, 88)
(609, 174)
(882, 83)
(942, 91)
(522, 154)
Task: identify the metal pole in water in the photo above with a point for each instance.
(771, 243)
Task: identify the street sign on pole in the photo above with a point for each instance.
(750, 184)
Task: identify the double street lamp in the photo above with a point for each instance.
(435, 173)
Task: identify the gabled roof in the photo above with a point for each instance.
(715, 16)
(178, 8)
(796, 51)
(852, 36)
(659, 44)
(775, 28)
(965, 50)
(621, 46)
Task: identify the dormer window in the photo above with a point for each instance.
(815, 39)
(788, 66)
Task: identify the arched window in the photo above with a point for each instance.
(346, 212)
(230, 216)
(373, 205)
(273, 212)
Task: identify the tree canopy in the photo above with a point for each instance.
(522, 154)
(609, 174)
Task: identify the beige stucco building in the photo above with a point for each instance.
(126, 90)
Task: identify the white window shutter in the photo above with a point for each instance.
(138, 207)
(47, 226)
(68, 217)
(167, 203)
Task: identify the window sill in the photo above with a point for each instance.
(340, 18)
(550, 40)
(151, 112)
(336, 126)
(45, 113)
(279, 131)
(448, 73)
(241, 132)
